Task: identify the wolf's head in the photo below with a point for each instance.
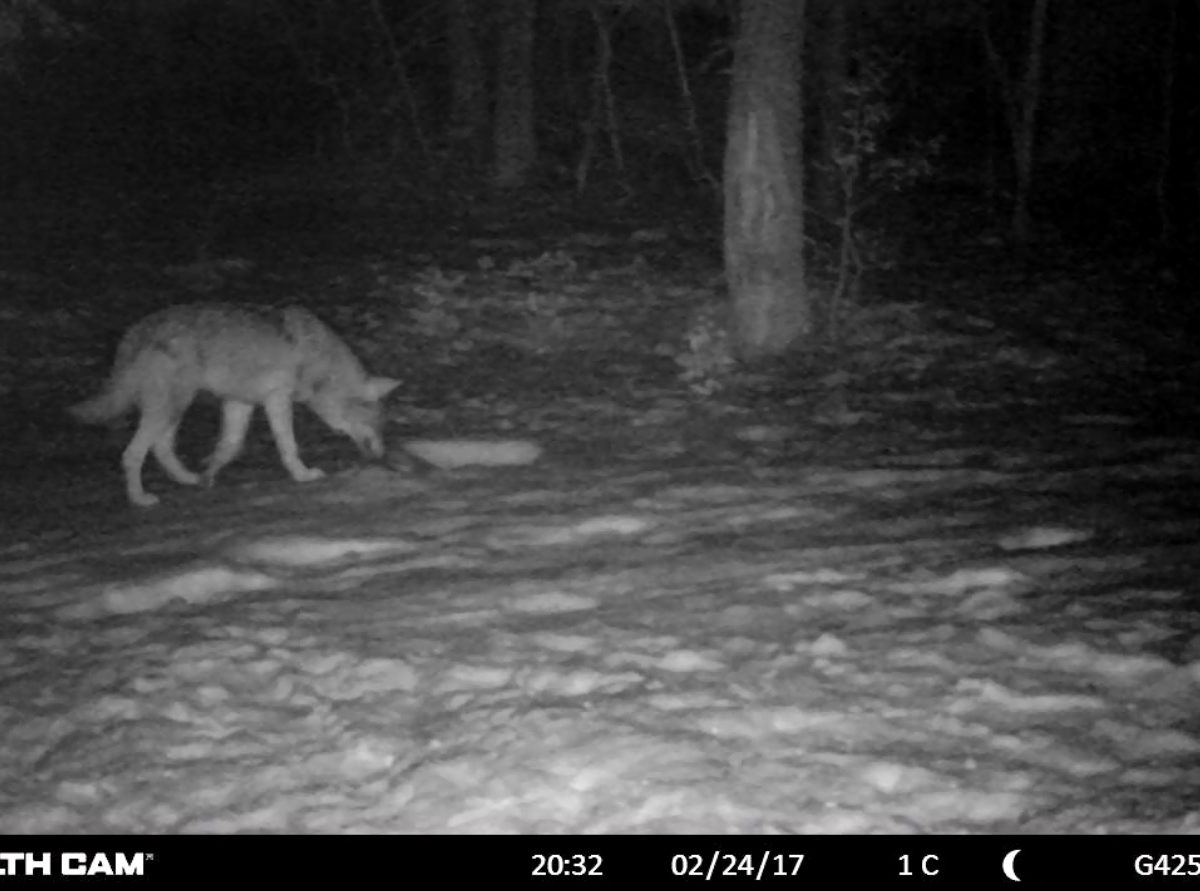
(356, 411)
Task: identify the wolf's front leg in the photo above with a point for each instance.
(164, 451)
(235, 421)
(278, 407)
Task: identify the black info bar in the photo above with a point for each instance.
(608, 861)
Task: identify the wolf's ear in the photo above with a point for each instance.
(378, 387)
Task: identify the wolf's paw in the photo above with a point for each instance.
(307, 474)
(142, 499)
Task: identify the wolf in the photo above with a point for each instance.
(246, 357)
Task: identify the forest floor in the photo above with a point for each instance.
(948, 586)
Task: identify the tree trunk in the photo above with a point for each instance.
(1166, 225)
(764, 204)
(1178, 184)
(1030, 96)
(1021, 106)
(468, 85)
(833, 66)
(515, 143)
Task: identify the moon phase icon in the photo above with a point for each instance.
(1010, 865)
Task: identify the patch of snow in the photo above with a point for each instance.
(799, 651)
(451, 453)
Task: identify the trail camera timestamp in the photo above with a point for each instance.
(567, 865)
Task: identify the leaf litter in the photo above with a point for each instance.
(946, 585)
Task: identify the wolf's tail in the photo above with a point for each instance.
(112, 402)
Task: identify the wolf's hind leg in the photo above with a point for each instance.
(161, 409)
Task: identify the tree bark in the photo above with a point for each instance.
(468, 84)
(764, 204)
(833, 66)
(1030, 98)
(515, 142)
(1021, 104)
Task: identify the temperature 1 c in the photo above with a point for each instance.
(926, 866)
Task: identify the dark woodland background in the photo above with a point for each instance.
(622, 103)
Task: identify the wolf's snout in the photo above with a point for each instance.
(371, 445)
